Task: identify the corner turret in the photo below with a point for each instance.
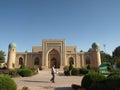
(96, 54)
(11, 56)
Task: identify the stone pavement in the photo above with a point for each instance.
(41, 81)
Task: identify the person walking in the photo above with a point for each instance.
(53, 74)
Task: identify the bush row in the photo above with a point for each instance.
(23, 71)
(97, 81)
(75, 71)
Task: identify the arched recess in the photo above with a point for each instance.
(53, 58)
(71, 60)
(20, 61)
(88, 61)
(36, 61)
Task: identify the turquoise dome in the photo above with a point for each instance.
(95, 45)
(12, 45)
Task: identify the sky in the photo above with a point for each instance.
(78, 22)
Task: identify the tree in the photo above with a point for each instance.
(2, 56)
(105, 57)
(116, 56)
(90, 50)
(116, 52)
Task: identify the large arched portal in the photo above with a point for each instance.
(20, 61)
(53, 59)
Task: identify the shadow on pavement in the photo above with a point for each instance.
(36, 81)
(63, 88)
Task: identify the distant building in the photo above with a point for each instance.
(53, 52)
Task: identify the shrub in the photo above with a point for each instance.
(13, 73)
(91, 78)
(66, 68)
(25, 72)
(83, 71)
(34, 69)
(113, 80)
(6, 83)
(75, 71)
(114, 76)
(88, 67)
(70, 66)
(66, 72)
(22, 66)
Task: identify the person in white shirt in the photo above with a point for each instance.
(53, 74)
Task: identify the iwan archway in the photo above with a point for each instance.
(53, 58)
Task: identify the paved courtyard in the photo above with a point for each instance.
(41, 81)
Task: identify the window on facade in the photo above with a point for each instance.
(36, 62)
(71, 61)
(88, 61)
(20, 60)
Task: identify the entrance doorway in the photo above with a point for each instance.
(53, 59)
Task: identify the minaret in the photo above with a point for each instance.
(96, 55)
(11, 56)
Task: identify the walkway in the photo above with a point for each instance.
(41, 81)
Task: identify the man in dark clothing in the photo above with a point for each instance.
(53, 74)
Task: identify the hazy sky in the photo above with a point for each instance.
(79, 22)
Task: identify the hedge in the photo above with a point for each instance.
(25, 72)
(6, 83)
(83, 71)
(75, 71)
(90, 78)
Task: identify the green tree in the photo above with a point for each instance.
(2, 56)
(116, 56)
(105, 57)
(116, 60)
(116, 52)
(90, 50)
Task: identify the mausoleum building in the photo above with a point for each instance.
(53, 52)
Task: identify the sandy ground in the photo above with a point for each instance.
(41, 81)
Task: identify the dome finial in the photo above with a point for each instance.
(95, 45)
(12, 45)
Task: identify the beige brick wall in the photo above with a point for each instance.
(36, 48)
(70, 49)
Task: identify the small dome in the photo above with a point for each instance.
(95, 45)
(12, 45)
